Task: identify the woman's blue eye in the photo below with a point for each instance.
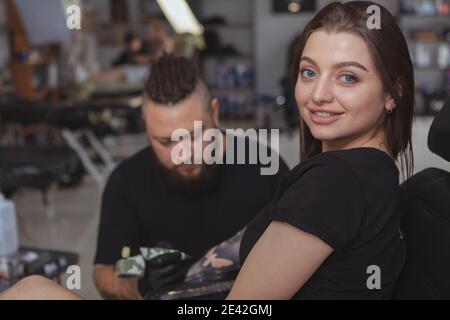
(307, 73)
(348, 78)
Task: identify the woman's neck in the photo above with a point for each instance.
(376, 139)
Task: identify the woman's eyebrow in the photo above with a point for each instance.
(338, 65)
(350, 64)
(306, 58)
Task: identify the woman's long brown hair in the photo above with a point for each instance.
(389, 52)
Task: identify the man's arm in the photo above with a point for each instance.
(112, 287)
(118, 228)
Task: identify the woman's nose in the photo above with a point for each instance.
(322, 91)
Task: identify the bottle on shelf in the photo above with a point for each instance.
(443, 56)
(9, 243)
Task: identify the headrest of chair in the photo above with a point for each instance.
(439, 135)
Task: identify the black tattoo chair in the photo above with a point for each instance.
(37, 167)
(426, 223)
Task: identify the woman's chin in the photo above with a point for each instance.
(324, 135)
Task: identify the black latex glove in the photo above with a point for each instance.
(166, 270)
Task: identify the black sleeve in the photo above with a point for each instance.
(283, 170)
(326, 200)
(118, 221)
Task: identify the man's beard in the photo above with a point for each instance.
(206, 180)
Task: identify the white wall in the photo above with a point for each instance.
(423, 158)
(102, 9)
(273, 33)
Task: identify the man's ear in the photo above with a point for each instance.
(215, 111)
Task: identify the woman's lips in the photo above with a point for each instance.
(322, 117)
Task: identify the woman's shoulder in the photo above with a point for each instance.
(355, 158)
(362, 165)
(362, 154)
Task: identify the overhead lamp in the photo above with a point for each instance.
(294, 7)
(180, 16)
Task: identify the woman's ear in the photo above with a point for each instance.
(215, 111)
(390, 102)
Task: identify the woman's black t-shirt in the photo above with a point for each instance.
(350, 200)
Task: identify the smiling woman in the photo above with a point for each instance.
(336, 216)
(339, 92)
(365, 65)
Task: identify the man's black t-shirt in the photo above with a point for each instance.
(140, 209)
(350, 200)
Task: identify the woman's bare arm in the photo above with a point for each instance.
(280, 263)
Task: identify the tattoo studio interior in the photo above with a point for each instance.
(212, 149)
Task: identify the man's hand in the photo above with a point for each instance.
(112, 287)
(165, 270)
